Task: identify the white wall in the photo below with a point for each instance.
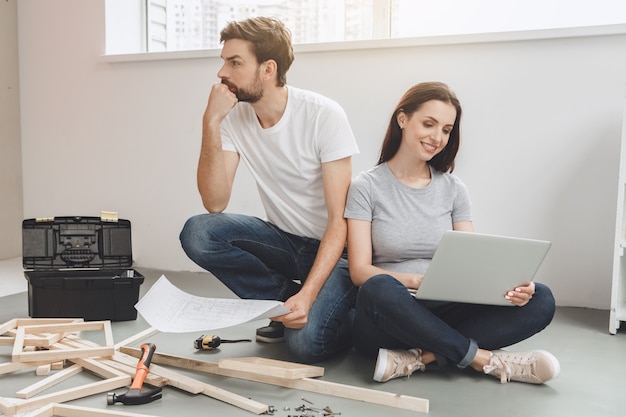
(541, 134)
(10, 156)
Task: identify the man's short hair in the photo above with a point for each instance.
(270, 39)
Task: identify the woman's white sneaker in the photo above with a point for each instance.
(396, 363)
(533, 367)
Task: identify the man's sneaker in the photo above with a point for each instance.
(396, 363)
(272, 333)
(534, 367)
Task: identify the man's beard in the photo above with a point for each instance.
(249, 95)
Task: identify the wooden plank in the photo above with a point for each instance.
(194, 386)
(89, 363)
(38, 321)
(108, 335)
(234, 399)
(7, 340)
(9, 325)
(305, 384)
(64, 327)
(73, 393)
(175, 379)
(8, 367)
(151, 378)
(46, 411)
(7, 408)
(52, 380)
(94, 365)
(65, 410)
(99, 368)
(43, 370)
(117, 367)
(77, 342)
(44, 340)
(264, 366)
(139, 337)
(62, 354)
(358, 393)
(31, 340)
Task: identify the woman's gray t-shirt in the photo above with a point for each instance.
(407, 223)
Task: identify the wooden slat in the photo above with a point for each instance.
(194, 386)
(9, 325)
(6, 407)
(175, 379)
(65, 410)
(8, 367)
(282, 369)
(72, 393)
(305, 384)
(97, 367)
(43, 370)
(52, 380)
(139, 337)
(151, 378)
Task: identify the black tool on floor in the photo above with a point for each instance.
(135, 395)
(210, 342)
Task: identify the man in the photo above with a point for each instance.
(298, 145)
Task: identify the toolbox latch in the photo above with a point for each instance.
(108, 216)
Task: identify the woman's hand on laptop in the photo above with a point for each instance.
(411, 281)
(521, 295)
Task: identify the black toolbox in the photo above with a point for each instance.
(80, 267)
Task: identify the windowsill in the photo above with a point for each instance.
(586, 31)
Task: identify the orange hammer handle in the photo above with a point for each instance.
(143, 365)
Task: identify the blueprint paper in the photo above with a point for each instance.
(171, 310)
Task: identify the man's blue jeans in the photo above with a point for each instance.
(257, 260)
(388, 316)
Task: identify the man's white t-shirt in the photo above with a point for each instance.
(286, 159)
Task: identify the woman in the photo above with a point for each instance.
(397, 213)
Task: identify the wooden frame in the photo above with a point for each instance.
(10, 327)
(58, 336)
(21, 355)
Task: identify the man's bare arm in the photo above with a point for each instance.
(216, 168)
(337, 176)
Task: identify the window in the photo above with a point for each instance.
(175, 25)
(135, 26)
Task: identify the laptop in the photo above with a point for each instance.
(479, 268)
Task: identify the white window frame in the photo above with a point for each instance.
(123, 15)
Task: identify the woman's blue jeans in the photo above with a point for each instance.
(257, 260)
(388, 316)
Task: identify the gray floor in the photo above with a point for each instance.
(592, 380)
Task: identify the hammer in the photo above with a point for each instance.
(134, 396)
